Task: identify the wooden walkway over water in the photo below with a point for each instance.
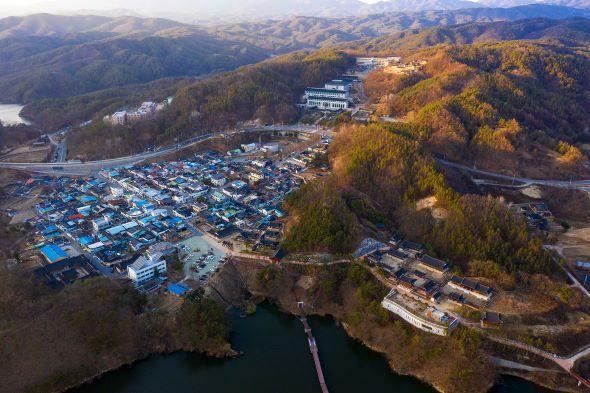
(314, 352)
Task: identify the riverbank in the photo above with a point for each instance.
(274, 357)
(459, 363)
(83, 338)
(54, 340)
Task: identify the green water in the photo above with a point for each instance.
(275, 358)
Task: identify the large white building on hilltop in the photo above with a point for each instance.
(146, 267)
(147, 110)
(334, 96)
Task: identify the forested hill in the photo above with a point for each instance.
(379, 172)
(49, 25)
(267, 91)
(72, 69)
(518, 106)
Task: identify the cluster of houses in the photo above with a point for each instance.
(423, 287)
(146, 110)
(333, 96)
(102, 219)
(85, 227)
(224, 196)
(129, 218)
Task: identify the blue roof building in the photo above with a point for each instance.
(87, 198)
(178, 289)
(53, 253)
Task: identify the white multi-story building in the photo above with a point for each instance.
(100, 223)
(146, 267)
(331, 104)
(318, 92)
(147, 110)
(429, 319)
(119, 118)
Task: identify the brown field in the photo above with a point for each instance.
(28, 154)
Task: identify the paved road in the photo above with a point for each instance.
(90, 167)
(61, 151)
(519, 366)
(577, 184)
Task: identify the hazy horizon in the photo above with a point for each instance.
(187, 10)
(24, 7)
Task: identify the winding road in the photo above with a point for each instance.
(92, 167)
(576, 184)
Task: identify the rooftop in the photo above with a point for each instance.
(434, 263)
(144, 262)
(338, 82)
(471, 284)
(53, 253)
(419, 309)
(324, 90)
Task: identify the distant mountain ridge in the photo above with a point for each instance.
(215, 13)
(53, 56)
(570, 32)
(310, 32)
(59, 25)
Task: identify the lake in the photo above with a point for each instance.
(275, 358)
(9, 114)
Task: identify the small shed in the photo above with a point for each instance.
(178, 289)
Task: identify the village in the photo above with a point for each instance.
(168, 226)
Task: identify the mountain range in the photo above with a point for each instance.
(571, 32)
(312, 32)
(55, 56)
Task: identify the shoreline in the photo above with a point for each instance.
(231, 353)
(337, 324)
(241, 278)
(12, 121)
